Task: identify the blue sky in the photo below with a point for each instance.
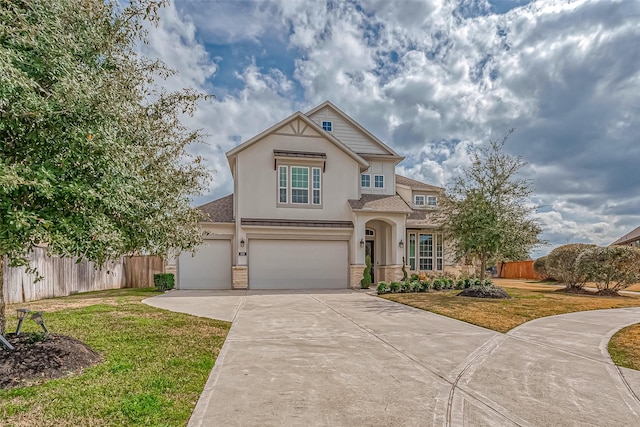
(431, 78)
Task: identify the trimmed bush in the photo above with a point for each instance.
(611, 268)
(394, 286)
(415, 277)
(561, 265)
(383, 288)
(163, 281)
(366, 275)
(404, 271)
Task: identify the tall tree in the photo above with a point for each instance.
(487, 211)
(93, 159)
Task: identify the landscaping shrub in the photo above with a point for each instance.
(415, 286)
(540, 267)
(460, 284)
(366, 275)
(561, 265)
(437, 284)
(415, 277)
(404, 271)
(611, 268)
(383, 288)
(405, 287)
(163, 281)
(493, 292)
(394, 286)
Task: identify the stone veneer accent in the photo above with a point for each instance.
(355, 275)
(240, 277)
(389, 273)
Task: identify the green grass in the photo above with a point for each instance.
(155, 363)
(624, 348)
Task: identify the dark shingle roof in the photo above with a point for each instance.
(380, 203)
(220, 210)
(423, 218)
(633, 235)
(416, 185)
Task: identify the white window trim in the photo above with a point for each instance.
(365, 174)
(374, 182)
(435, 239)
(415, 200)
(434, 198)
(289, 203)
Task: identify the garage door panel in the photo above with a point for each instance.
(296, 264)
(210, 268)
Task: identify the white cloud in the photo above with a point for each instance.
(432, 77)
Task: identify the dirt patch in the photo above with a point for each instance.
(493, 292)
(37, 358)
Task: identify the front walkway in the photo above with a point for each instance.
(347, 358)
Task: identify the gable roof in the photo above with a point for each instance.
(380, 203)
(416, 185)
(629, 237)
(313, 125)
(220, 210)
(355, 125)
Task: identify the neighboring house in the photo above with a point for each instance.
(630, 239)
(312, 195)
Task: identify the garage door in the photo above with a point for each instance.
(210, 268)
(295, 264)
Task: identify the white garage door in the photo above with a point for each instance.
(296, 264)
(210, 268)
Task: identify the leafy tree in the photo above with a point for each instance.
(93, 159)
(561, 265)
(611, 268)
(486, 211)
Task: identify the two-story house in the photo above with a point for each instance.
(313, 195)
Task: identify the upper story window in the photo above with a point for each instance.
(299, 185)
(432, 201)
(365, 180)
(328, 126)
(378, 181)
(418, 200)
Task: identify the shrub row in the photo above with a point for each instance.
(611, 268)
(438, 284)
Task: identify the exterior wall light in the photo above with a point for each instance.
(242, 243)
(362, 243)
(401, 244)
(21, 314)
(37, 317)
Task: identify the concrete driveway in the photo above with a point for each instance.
(345, 358)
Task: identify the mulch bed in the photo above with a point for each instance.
(37, 359)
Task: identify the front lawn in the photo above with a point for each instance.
(529, 301)
(155, 364)
(624, 347)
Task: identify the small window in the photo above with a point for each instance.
(282, 184)
(418, 200)
(365, 180)
(316, 186)
(369, 232)
(328, 126)
(432, 201)
(379, 181)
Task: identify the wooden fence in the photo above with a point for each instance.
(517, 270)
(65, 276)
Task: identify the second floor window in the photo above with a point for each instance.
(432, 201)
(379, 181)
(418, 200)
(328, 126)
(365, 180)
(299, 185)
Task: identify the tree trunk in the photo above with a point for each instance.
(3, 319)
(483, 265)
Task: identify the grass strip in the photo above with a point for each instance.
(155, 365)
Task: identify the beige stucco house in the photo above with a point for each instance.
(632, 238)
(312, 195)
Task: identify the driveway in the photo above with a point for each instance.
(345, 358)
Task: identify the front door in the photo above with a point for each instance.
(368, 250)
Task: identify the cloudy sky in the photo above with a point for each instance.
(430, 78)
